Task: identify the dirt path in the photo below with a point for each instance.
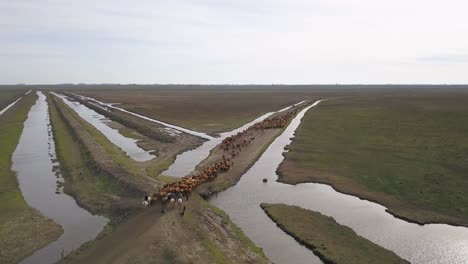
(203, 235)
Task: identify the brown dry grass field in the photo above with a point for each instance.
(210, 111)
(9, 96)
(214, 109)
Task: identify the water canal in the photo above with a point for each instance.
(38, 173)
(433, 243)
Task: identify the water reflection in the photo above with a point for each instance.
(35, 163)
(186, 162)
(435, 243)
(100, 122)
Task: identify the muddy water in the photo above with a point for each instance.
(35, 163)
(128, 145)
(435, 243)
(186, 162)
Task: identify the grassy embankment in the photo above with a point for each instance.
(408, 153)
(330, 241)
(92, 188)
(84, 180)
(147, 132)
(151, 169)
(114, 152)
(23, 229)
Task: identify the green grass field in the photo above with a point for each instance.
(22, 229)
(409, 149)
(332, 242)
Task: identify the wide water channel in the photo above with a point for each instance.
(434, 243)
(100, 122)
(35, 163)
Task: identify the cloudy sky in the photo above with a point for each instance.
(239, 41)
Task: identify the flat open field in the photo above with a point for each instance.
(406, 152)
(332, 242)
(9, 96)
(218, 108)
(22, 228)
(210, 111)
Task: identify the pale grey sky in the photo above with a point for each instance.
(241, 41)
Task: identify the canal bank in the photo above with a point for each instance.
(40, 181)
(23, 229)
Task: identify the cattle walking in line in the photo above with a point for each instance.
(232, 147)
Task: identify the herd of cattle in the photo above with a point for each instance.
(179, 191)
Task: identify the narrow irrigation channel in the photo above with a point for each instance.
(433, 243)
(171, 126)
(37, 168)
(186, 162)
(129, 145)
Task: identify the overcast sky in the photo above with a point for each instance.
(239, 41)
